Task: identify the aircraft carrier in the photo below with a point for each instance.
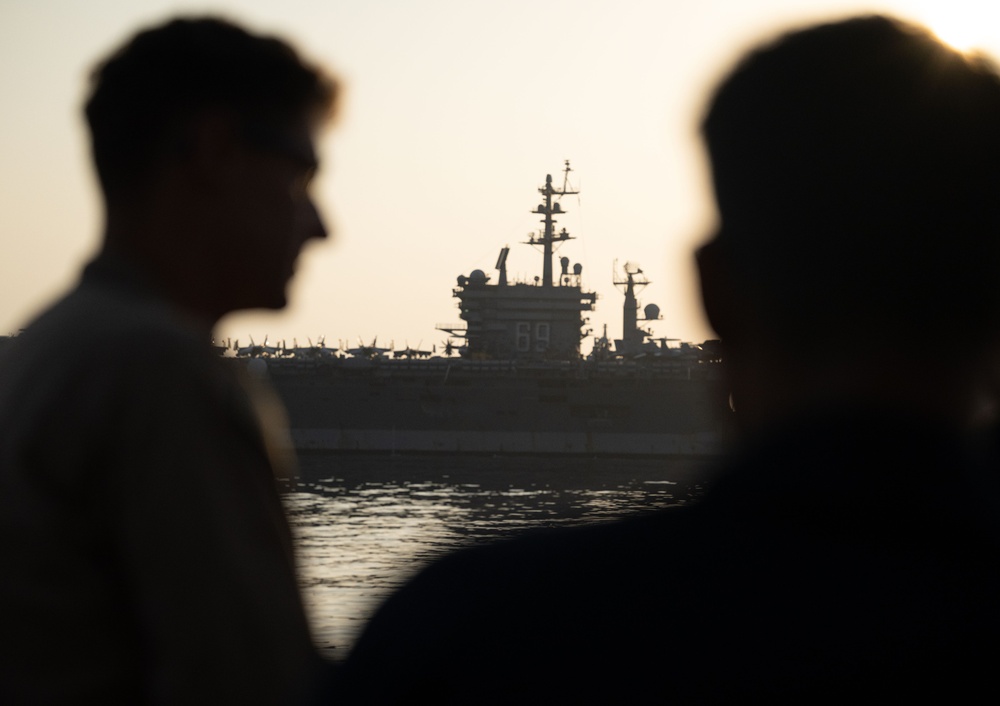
(511, 379)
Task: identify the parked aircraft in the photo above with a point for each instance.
(372, 351)
(313, 350)
(412, 352)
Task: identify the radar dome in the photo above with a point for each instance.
(477, 277)
(651, 311)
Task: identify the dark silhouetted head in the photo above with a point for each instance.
(203, 140)
(857, 172)
(145, 95)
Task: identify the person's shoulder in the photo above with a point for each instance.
(103, 341)
(581, 555)
(91, 316)
(97, 322)
(571, 565)
(545, 603)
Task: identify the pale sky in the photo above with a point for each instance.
(454, 111)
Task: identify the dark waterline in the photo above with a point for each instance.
(363, 524)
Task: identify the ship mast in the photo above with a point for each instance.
(634, 281)
(548, 209)
(524, 321)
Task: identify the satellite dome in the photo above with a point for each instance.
(477, 277)
(651, 311)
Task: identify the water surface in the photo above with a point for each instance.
(364, 524)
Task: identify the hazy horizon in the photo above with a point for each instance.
(453, 113)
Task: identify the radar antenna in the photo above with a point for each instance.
(502, 266)
(634, 280)
(547, 210)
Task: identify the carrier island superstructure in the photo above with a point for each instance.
(518, 384)
(526, 321)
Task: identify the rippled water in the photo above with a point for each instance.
(363, 524)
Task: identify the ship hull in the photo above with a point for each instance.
(448, 441)
(452, 406)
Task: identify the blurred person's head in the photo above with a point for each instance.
(203, 141)
(856, 168)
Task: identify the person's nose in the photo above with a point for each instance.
(316, 225)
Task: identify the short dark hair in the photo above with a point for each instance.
(145, 92)
(857, 172)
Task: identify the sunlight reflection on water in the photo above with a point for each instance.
(363, 524)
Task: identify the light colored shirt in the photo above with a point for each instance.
(144, 552)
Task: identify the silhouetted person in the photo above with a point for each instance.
(849, 547)
(144, 553)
